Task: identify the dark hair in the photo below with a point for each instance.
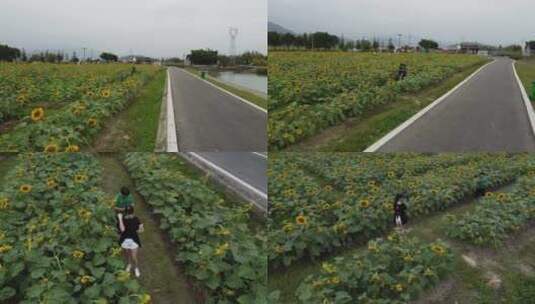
(129, 210)
(400, 196)
(125, 191)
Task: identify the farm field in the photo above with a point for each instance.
(332, 240)
(59, 243)
(47, 107)
(310, 92)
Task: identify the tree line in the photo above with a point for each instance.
(324, 40)
(11, 54)
(212, 57)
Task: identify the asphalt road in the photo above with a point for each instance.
(249, 167)
(208, 119)
(485, 114)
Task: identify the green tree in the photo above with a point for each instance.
(428, 44)
(9, 53)
(391, 46)
(203, 57)
(109, 57)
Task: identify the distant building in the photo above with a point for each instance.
(469, 48)
(529, 48)
(136, 59)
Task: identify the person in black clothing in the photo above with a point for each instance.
(402, 72)
(129, 226)
(400, 210)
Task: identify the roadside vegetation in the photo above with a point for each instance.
(526, 71)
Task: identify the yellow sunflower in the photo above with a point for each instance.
(25, 188)
(438, 250)
(105, 93)
(301, 220)
(5, 248)
(364, 203)
(328, 268)
(4, 203)
(335, 280)
(51, 183)
(92, 122)
(37, 114)
(79, 178)
(85, 279)
(220, 250)
(72, 148)
(501, 197)
(51, 148)
(398, 287)
(77, 254)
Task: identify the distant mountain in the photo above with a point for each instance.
(273, 27)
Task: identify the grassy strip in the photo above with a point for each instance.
(135, 128)
(159, 272)
(526, 71)
(257, 100)
(358, 134)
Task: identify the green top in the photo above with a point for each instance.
(122, 201)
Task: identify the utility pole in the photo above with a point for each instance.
(399, 40)
(84, 52)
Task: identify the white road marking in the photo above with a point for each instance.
(527, 101)
(230, 175)
(225, 91)
(264, 156)
(376, 146)
(172, 142)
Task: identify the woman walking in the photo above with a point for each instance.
(129, 226)
(400, 210)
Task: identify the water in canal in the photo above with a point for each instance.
(248, 80)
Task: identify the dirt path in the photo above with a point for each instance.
(159, 273)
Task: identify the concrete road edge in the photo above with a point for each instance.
(227, 179)
(525, 98)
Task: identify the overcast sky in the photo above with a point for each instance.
(486, 21)
(159, 28)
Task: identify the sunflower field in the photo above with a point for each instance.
(497, 216)
(311, 91)
(47, 107)
(212, 237)
(58, 241)
(391, 270)
(320, 202)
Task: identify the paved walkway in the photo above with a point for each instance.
(485, 114)
(208, 119)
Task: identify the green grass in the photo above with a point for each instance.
(249, 96)
(464, 285)
(358, 134)
(160, 275)
(136, 127)
(526, 71)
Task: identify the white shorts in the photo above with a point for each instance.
(129, 244)
(398, 220)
